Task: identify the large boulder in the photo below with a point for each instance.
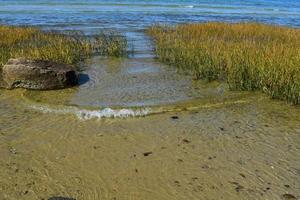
(38, 74)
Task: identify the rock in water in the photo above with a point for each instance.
(38, 74)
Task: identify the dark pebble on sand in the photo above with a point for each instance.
(222, 129)
(186, 141)
(289, 197)
(239, 188)
(177, 183)
(147, 153)
(287, 186)
(174, 117)
(211, 157)
(61, 198)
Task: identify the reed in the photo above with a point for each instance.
(112, 43)
(248, 56)
(68, 48)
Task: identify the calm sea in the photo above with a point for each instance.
(91, 15)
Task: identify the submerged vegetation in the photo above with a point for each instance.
(249, 56)
(68, 48)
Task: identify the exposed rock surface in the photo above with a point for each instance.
(38, 75)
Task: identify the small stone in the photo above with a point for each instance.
(238, 188)
(13, 151)
(175, 117)
(186, 141)
(147, 153)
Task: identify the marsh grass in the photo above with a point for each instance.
(111, 43)
(68, 48)
(248, 56)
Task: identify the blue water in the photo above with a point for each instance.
(92, 15)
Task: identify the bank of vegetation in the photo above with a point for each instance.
(67, 48)
(248, 56)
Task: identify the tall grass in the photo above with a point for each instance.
(248, 56)
(63, 48)
(112, 44)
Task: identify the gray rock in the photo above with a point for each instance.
(37, 75)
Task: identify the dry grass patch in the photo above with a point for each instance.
(249, 56)
(63, 48)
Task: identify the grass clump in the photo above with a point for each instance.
(68, 48)
(249, 56)
(112, 43)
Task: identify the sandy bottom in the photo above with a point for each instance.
(241, 151)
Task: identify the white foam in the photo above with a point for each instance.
(189, 6)
(84, 114)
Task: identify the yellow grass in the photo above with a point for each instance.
(248, 56)
(64, 48)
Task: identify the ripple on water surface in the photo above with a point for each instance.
(129, 87)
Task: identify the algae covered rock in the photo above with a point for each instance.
(38, 74)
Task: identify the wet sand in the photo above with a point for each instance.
(199, 141)
(241, 151)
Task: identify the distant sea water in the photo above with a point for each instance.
(92, 15)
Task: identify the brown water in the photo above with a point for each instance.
(170, 138)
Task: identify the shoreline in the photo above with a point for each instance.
(199, 140)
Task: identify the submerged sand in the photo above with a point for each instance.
(245, 150)
(172, 138)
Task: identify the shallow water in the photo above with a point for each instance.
(243, 150)
(138, 129)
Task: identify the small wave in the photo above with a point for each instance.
(273, 9)
(85, 114)
(189, 6)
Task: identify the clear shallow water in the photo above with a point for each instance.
(205, 142)
(139, 80)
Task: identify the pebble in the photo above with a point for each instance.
(186, 141)
(147, 153)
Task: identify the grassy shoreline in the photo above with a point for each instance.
(248, 56)
(59, 47)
